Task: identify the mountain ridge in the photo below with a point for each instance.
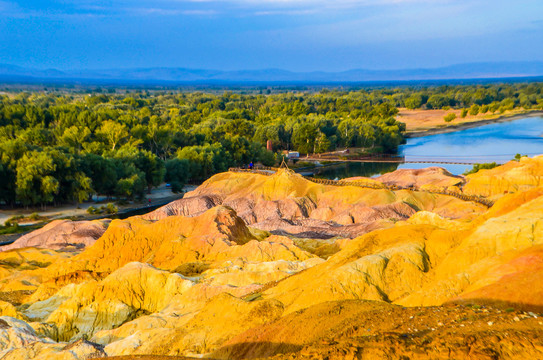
(480, 70)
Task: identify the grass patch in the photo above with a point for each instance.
(108, 209)
(16, 229)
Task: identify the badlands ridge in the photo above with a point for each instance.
(252, 266)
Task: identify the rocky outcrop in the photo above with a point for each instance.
(166, 244)
(216, 236)
(80, 310)
(62, 235)
(374, 330)
(222, 317)
(514, 283)
(19, 341)
(287, 204)
(420, 178)
(191, 206)
(512, 177)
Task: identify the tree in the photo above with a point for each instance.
(74, 136)
(82, 187)
(322, 144)
(177, 173)
(474, 109)
(112, 132)
(152, 167)
(8, 165)
(413, 102)
(101, 171)
(437, 101)
(303, 137)
(35, 183)
(347, 131)
(205, 160)
(367, 134)
(131, 187)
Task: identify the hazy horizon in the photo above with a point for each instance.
(273, 68)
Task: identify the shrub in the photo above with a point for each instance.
(34, 216)
(464, 113)
(12, 221)
(111, 209)
(92, 210)
(9, 228)
(478, 167)
(449, 117)
(474, 110)
(177, 187)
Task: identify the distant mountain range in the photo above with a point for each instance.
(11, 73)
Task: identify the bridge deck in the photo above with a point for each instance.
(398, 160)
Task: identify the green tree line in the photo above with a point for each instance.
(65, 147)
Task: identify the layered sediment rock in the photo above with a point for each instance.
(288, 204)
(19, 341)
(62, 235)
(515, 176)
(421, 178)
(254, 266)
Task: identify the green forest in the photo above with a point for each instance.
(59, 146)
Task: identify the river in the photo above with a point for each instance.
(488, 143)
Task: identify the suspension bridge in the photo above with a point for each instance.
(398, 159)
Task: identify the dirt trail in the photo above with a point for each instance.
(158, 195)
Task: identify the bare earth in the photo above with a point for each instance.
(424, 120)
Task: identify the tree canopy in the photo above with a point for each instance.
(64, 146)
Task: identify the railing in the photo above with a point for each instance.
(267, 171)
(400, 159)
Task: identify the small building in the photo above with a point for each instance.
(293, 155)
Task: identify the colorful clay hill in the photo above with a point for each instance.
(272, 265)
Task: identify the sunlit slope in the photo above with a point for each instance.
(418, 263)
(511, 177)
(237, 269)
(214, 236)
(357, 329)
(287, 202)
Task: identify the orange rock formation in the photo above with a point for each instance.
(253, 266)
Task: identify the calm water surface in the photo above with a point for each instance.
(495, 142)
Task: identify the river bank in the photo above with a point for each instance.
(473, 124)
(158, 195)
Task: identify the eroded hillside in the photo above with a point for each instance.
(273, 265)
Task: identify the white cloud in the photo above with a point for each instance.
(308, 4)
(168, 11)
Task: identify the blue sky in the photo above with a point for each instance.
(299, 35)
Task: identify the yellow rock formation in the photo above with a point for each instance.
(193, 278)
(512, 177)
(83, 309)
